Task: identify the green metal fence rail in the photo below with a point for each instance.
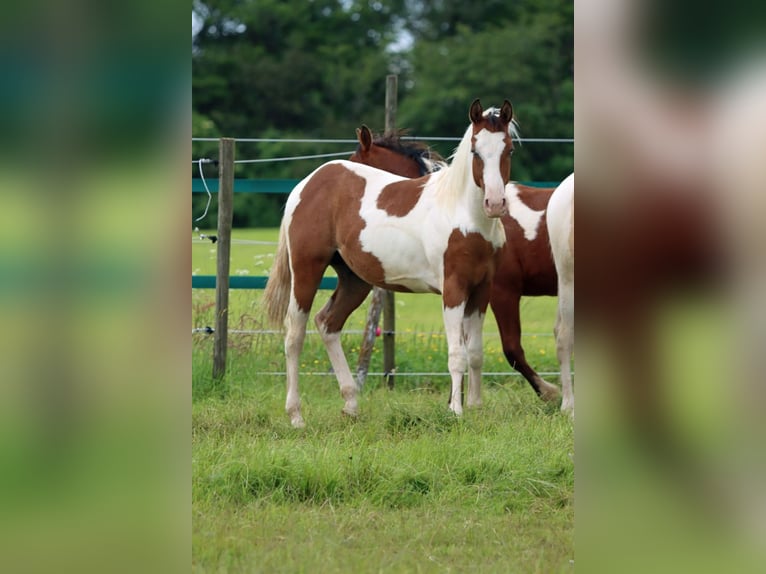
(256, 282)
(272, 186)
(247, 185)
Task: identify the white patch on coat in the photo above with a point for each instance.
(411, 247)
(560, 222)
(526, 217)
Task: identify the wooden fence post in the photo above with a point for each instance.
(225, 214)
(389, 320)
(368, 338)
(381, 298)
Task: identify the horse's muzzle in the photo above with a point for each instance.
(496, 208)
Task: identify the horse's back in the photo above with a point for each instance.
(373, 219)
(337, 178)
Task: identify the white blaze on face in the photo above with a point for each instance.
(490, 147)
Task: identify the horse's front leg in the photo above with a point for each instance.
(350, 293)
(453, 325)
(473, 324)
(472, 331)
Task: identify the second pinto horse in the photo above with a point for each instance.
(525, 266)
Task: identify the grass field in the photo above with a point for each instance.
(406, 487)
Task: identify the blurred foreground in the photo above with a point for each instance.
(94, 391)
(671, 212)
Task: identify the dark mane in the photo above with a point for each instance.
(415, 150)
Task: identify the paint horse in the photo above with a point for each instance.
(440, 233)
(526, 265)
(559, 220)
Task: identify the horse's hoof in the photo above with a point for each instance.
(298, 422)
(550, 393)
(349, 412)
(457, 410)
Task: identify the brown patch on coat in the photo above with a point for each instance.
(312, 236)
(469, 266)
(526, 265)
(536, 198)
(398, 199)
(325, 225)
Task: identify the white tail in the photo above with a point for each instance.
(276, 296)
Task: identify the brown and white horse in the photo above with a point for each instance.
(526, 266)
(436, 234)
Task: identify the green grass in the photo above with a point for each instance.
(406, 487)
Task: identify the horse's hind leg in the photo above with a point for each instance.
(295, 333)
(305, 282)
(505, 307)
(350, 293)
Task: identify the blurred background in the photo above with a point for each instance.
(670, 122)
(317, 69)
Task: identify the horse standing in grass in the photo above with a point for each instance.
(526, 265)
(436, 234)
(559, 220)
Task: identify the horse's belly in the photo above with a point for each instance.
(403, 259)
(410, 285)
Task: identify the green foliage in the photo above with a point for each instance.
(530, 62)
(257, 210)
(270, 68)
(310, 67)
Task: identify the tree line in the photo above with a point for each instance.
(317, 69)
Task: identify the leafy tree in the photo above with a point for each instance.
(316, 69)
(529, 61)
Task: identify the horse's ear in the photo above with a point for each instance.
(506, 112)
(364, 135)
(476, 111)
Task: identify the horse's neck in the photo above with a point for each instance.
(455, 188)
(462, 201)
